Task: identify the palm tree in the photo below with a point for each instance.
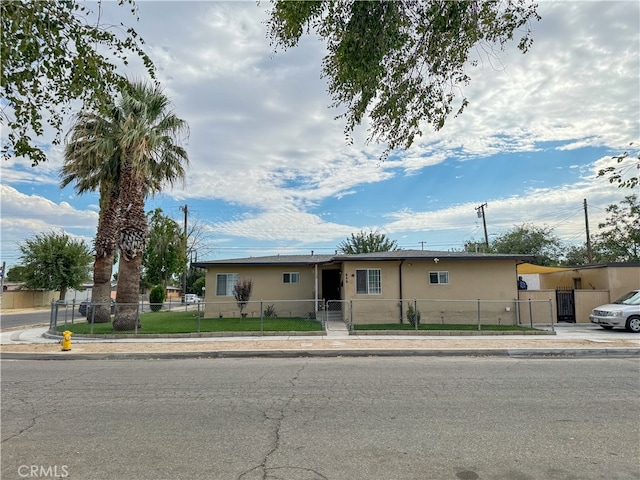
(128, 151)
(149, 156)
(92, 162)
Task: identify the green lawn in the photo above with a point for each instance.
(438, 326)
(186, 322)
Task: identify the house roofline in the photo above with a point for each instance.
(396, 255)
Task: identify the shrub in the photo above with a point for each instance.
(242, 293)
(156, 298)
(270, 312)
(413, 315)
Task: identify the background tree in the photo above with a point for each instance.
(403, 62)
(196, 280)
(16, 274)
(576, 255)
(623, 172)
(619, 238)
(52, 261)
(370, 242)
(54, 52)
(165, 256)
(242, 293)
(473, 246)
(528, 239)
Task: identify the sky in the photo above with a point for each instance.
(270, 171)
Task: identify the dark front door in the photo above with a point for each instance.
(331, 284)
(565, 301)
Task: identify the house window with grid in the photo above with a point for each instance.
(225, 283)
(439, 278)
(291, 277)
(368, 282)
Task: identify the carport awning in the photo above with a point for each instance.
(530, 268)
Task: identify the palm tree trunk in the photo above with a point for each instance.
(100, 311)
(105, 247)
(133, 233)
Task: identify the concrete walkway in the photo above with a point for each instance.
(32, 343)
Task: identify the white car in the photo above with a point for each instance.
(190, 298)
(623, 313)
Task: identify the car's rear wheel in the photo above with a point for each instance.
(633, 324)
(607, 327)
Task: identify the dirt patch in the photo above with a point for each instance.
(311, 344)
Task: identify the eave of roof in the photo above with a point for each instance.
(396, 255)
(269, 260)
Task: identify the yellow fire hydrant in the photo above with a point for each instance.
(66, 340)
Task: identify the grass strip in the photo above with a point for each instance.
(186, 322)
(439, 326)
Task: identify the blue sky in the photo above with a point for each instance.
(270, 171)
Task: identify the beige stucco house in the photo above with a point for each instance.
(375, 286)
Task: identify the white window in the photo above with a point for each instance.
(368, 282)
(438, 278)
(290, 277)
(225, 283)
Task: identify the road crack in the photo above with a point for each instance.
(277, 416)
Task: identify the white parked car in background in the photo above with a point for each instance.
(623, 313)
(190, 298)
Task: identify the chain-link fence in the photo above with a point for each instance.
(476, 313)
(261, 316)
(252, 317)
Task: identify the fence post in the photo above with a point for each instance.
(530, 314)
(350, 315)
(551, 315)
(198, 313)
(93, 316)
(53, 319)
(479, 315)
(135, 327)
(517, 301)
(417, 315)
(261, 319)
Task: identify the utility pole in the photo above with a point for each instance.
(586, 223)
(422, 243)
(185, 209)
(480, 211)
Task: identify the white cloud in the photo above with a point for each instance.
(263, 138)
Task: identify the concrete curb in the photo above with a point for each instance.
(54, 335)
(508, 352)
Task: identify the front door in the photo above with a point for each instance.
(331, 284)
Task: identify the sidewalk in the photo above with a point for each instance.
(30, 343)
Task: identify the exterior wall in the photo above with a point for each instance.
(622, 279)
(295, 300)
(533, 306)
(470, 280)
(587, 300)
(616, 279)
(538, 308)
(28, 299)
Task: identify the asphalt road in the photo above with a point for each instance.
(323, 418)
(25, 318)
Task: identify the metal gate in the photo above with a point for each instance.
(338, 311)
(565, 301)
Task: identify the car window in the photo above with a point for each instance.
(631, 298)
